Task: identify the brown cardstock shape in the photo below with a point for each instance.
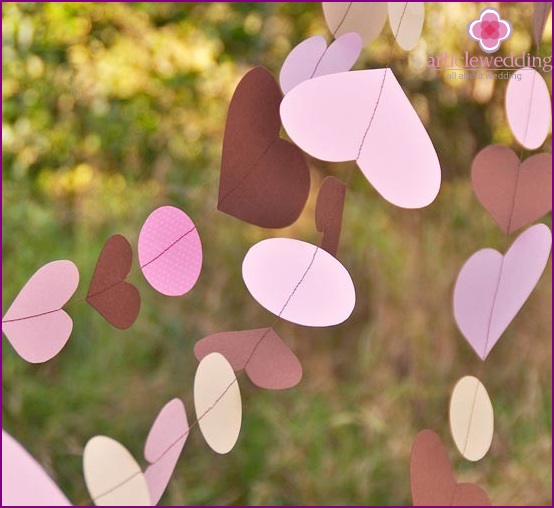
(432, 479)
(116, 300)
(267, 360)
(540, 17)
(514, 194)
(264, 180)
(328, 213)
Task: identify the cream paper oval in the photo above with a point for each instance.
(112, 475)
(406, 22)
(471, 418)
(365, 18)
(217, 402)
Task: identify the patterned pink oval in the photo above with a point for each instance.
(170, 251)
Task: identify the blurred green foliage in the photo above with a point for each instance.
(110, 110)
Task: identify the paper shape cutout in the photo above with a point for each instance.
(312, 58)
(35, 323)
(112, 475)
(267, 360)
(540, 17)
(406, 22)
(471, 418)
(117, 301)
(328, 213)
(364, 18)
(217, 402)
(170, 251)
(299, 282)
(491, 288)
(528, 108)
(24, 481)
(164, 446)
(432, 479)
(365, 116)
(514, 194)
(264, 180)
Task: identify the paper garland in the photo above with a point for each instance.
(491, 288)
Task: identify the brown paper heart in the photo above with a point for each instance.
(515, 195)
(116, 300)
(432, 479)
(328, 213)
(267, 360)
(264, 179)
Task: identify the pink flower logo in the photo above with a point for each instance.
(490, 29)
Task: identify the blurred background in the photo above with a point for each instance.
(110, 110)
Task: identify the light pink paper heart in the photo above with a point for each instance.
(312, 58)
(491, 288)
(365, 116)
(24, 481)
(164, 445)
(35, 323)
(170, 251)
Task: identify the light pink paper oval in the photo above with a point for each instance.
(24, 481)
(312, 58)
(528, 107)
(299, 282)
(170, 251)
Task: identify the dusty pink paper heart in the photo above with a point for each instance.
(164, 445)
(35, 323)
(491, 288)
(267, 360)
(312, 58)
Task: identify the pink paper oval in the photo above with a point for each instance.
(170, 251)
(528, 107)
(299, 282)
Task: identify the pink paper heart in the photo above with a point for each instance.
(365, 116)
(164, 445)
(491, 288)
(312, 58)
(267, 360)
(35, 323)
(24, 481)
